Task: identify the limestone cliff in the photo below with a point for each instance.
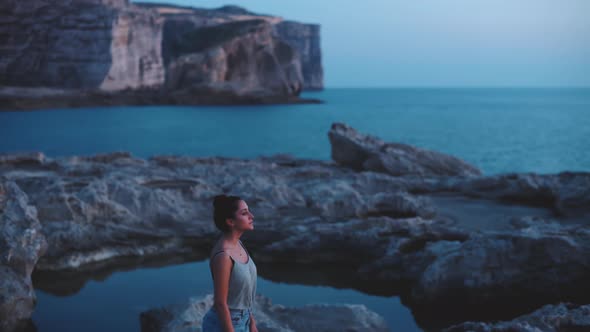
(305, 38)
(242, 56)
(109, 45)
(113, 45)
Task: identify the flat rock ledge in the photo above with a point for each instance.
(269, 317)
(564, 317)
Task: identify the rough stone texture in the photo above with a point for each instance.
(393, 234)
(243, 57)
(21, 245)
(363, 152)
(108, 45)
(149, 54)
(567, 193)
(535, 260)
(563, 317)
(305, 39)
(269, 317)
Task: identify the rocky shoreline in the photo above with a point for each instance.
(456, 245)
(27, 99)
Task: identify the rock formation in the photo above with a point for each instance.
(269, 317)
(89, 44)
(108, 52)
(21, 245)
(363, 152)
(240, 56)
(305, 38)
(550, 318)
(454, 244)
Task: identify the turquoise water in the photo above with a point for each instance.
(114, 304)
(498, 130)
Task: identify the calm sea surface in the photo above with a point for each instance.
(497, 130)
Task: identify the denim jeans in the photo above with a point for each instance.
(240, 319)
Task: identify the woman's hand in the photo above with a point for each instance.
(253, 327)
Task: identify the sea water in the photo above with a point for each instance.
(497, 130)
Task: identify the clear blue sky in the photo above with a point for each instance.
(442, 43)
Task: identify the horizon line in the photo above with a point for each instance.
(458, 87)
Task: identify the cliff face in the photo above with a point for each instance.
(240, 56)
(112, 45)
(305, 38)
(102, 44)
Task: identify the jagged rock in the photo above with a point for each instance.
(362, 152)
(550, 318)
(269, 317)
(538, 261)
(21, 245)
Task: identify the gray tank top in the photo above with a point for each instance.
(242, 283)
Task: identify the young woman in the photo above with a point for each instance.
(232, 269)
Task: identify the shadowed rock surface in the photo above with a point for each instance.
(455, 247)
(269, 317)
(111, 52)
(551, 318)
(305, 39)
(21, 245)
(242, 56)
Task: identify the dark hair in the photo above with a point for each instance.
(224, 207)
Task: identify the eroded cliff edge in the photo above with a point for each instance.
(105, 52)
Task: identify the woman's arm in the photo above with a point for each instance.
(221, 268)
(253, 327)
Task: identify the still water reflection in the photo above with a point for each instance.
(115, 302)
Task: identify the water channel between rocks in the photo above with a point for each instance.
(114, 302)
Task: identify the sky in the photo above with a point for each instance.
(442, 43)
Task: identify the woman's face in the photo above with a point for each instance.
(244, 219)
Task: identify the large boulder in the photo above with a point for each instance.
(269, 317)
(367, 153)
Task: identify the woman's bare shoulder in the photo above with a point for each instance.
(219, 249)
